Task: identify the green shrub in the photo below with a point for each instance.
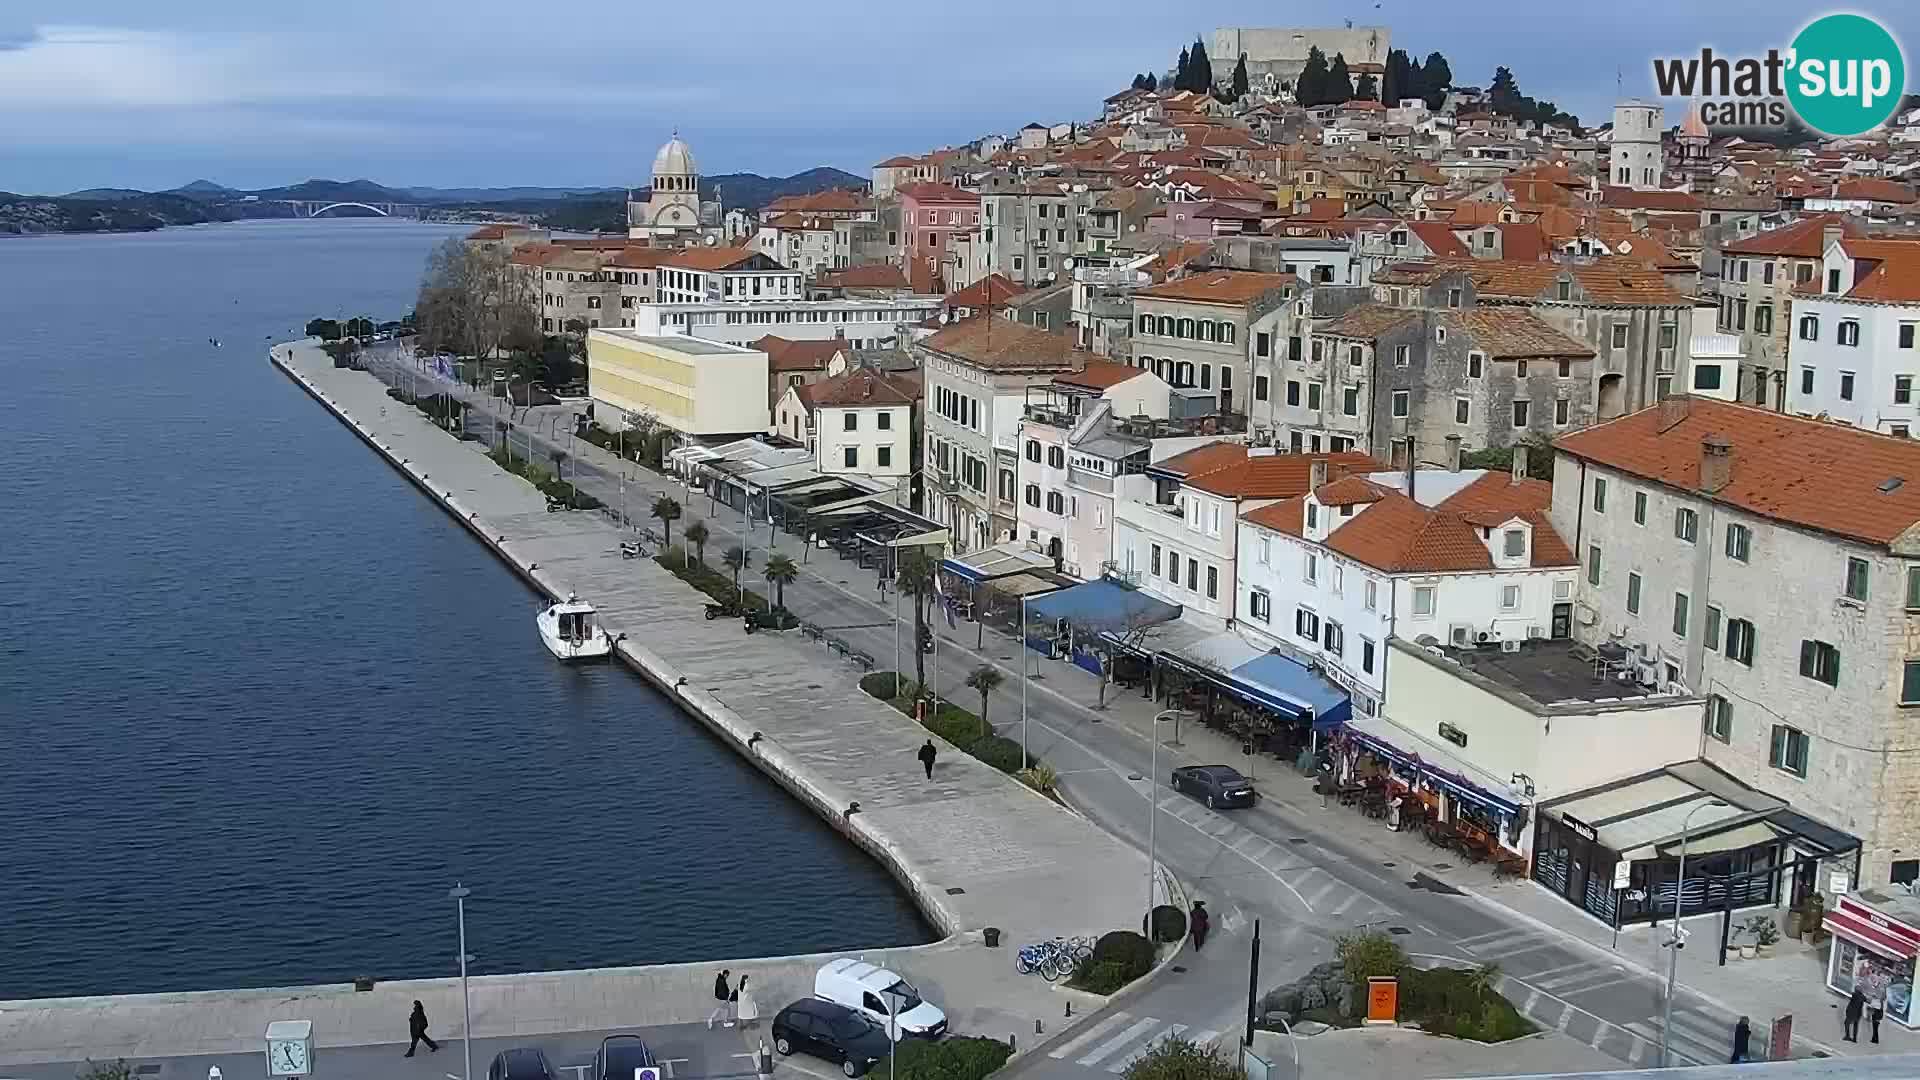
(957, 1058)
(1002, 754)
(1179, 1059)
(1119, 957)
(1368, 954)
(1169, 923)
(955, 726)
(878, 684)
(1461, 1003)
(1041, 778)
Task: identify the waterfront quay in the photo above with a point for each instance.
(973, 847)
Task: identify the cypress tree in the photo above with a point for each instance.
(1199, 68)
(1240, 77)
(1339, 83)
(1311, 88)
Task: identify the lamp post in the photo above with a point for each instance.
(1153, 806)
(458, 894)
(1673, 957)
(1020, 642)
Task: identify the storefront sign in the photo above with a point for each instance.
(1383, 999)
(1837, 883)
(1622, 874)
(1780, 1040)
(1580, 828)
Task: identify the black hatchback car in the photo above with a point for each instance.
(831, 1031)
(1216, 785)
(619, 1056)
(520, 1063)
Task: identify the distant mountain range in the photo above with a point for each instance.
(583, 208)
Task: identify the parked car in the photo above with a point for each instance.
(835, 1032)
(1216, 785)
(520, 1063)
(619, 1056)
(862, 986)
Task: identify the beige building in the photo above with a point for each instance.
(697, 387)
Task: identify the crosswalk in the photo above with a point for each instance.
(1313, 889)
(1120, 1038)
(1697, 1039)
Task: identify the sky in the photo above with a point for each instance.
(132, 93)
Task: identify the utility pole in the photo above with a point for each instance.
(1253, 982)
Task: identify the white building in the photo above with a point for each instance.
(673, 205)
(1637, 158)
(859, 423)
(1853, 357)
(730, 275)
(806, 242)
(1176, 525)
(863, 323)
(1771, 564)
(1468, 560)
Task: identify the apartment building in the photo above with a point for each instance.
(808, 243)
(932, 216)
(572, 288)
(1467, 558)
(857, 423)
(698, 388)
(862, 323)
(1767, 562)
(1177, 530)
(1033, 233)
(1755, 289)
(978, 374)
(1854, 358)
(1200, 330)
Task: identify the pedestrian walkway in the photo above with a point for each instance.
(1120, 1038)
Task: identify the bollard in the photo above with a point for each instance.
(762, 1060)
(1069, 1010)
(1013, 1043)
(1036, 1025)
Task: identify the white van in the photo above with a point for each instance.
(863, 987)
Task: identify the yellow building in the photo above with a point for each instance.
(694, 386)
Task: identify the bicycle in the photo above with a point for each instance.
(1053, 959)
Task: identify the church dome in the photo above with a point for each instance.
(674, 159)
(1693, 127)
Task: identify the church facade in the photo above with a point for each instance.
(672, 210)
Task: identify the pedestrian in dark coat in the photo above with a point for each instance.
(723, 994)
(927, 754)
(1742, 1033)
(1856, 1005)
(1199, 922)
(417, 1027)
(1874, 1013)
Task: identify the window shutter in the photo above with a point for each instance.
(1807, 653)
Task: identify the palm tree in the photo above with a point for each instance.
(697, 535)
(986, 679)
(668, 511)
(736, 560)
(780, 571)
(916, 578)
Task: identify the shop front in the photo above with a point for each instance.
(1380, 766)
(1875, 941)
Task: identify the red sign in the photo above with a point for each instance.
(1780, 1041)
(1383, 999)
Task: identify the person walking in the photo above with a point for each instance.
(746, 1010)
(1875, 1012)
(417, 1027)
(1200, 923)
(926, 755)
(721, 994)
(1742, 1034)
(1857, 1004)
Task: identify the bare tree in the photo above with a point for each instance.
(476, 302)
(1114, 634)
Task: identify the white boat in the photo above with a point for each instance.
(571, 633)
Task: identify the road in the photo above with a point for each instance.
(1306, 873)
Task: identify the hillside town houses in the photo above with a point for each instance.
(1526, 469)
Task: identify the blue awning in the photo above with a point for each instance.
(1290, 687)
(1102, 605)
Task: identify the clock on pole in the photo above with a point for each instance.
(290, 1048)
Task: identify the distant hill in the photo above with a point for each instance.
(136, 212)
(104, 194)
(204, 189)
(754, 191)
(507, 194)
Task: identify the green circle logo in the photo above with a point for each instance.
(1847, 75)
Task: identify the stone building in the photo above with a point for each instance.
(1757, 276)
(1199, 331)
(672, 208)
(1282, 51)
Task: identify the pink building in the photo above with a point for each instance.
(930, 216)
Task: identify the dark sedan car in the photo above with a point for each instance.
(835, 1032)
(619, 1056)
(1216, 785)
(520, 1063)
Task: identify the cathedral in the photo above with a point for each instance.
(673, 209)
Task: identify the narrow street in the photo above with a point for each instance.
(1305, 872)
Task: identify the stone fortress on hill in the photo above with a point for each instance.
(1281, 51)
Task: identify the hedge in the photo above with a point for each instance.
(959, 1057)
(1003, 754)
(1119, 957)
(718, 586)
(954, 724)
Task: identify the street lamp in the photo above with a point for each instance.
(458, 894)
(1021, 644)
(1673, 958)
(1153, 805)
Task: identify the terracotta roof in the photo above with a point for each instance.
(489, 232)
(1365, 322)
(1350, 491)
(554, 256)
(640, 258)
(881, 275)
(1214, 209)
(1228, 287)
(1810, 473)
(999, 344)
(710, 258)
(799, 221)
(1512, 333)
(1893, 270)
(833, 200)
(1099, 375)
(1497, 491)
(1215, 186)
(1629, 199)
(1177, 257)
(861, 387)
(989, 291)
(1399, 535)
(901, 161)
(1228, 469)
(784, 355)
(1286, 516)
(1439, 237)
(1874, 190)
(1803, 239)
(926, 192)
(1603, 281)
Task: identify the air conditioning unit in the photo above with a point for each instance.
(1510, 646)
(1486, 637)
(1649, 674)
(1460, 635)
(1536, 633)
(1586, 615)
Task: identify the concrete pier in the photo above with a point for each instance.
(975, 848)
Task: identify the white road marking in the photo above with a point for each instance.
(1204, 1039)
(1352, 898)
(1138, 1029)
(1087, 1036)
(1544, 976)
(1171, 1032)
(1588, 988)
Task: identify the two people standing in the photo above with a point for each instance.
(1856, 1006)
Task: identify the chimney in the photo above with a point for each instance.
(1520, 463)
(1453, 453)
(1716, 464)
(1317, 474)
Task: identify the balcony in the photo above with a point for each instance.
(1111, 277)
(1109, 308)
(1087, 480)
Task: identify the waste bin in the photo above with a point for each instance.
(992, 934)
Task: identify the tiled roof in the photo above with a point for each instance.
(999, 344)
(1511, 333)
(926, 192)
(1603, 281)
(881, 275)
(833, 200)
(1350, 491)
(991, 290)
(1228, 469)
(1230, 287)
(862, 387)
(1873, 189)
(710, 258)
(1399, 535)
(784, 355)
(798, 221)
(1215, 209)
(640, 258)
(1365, 322)
(1803, 239)
(1893, 274)
(901, 161)
(1100, 375)
(1810, 473)
(1628, 199)
(488, 232)
(1497, 491)
(1439, 237)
